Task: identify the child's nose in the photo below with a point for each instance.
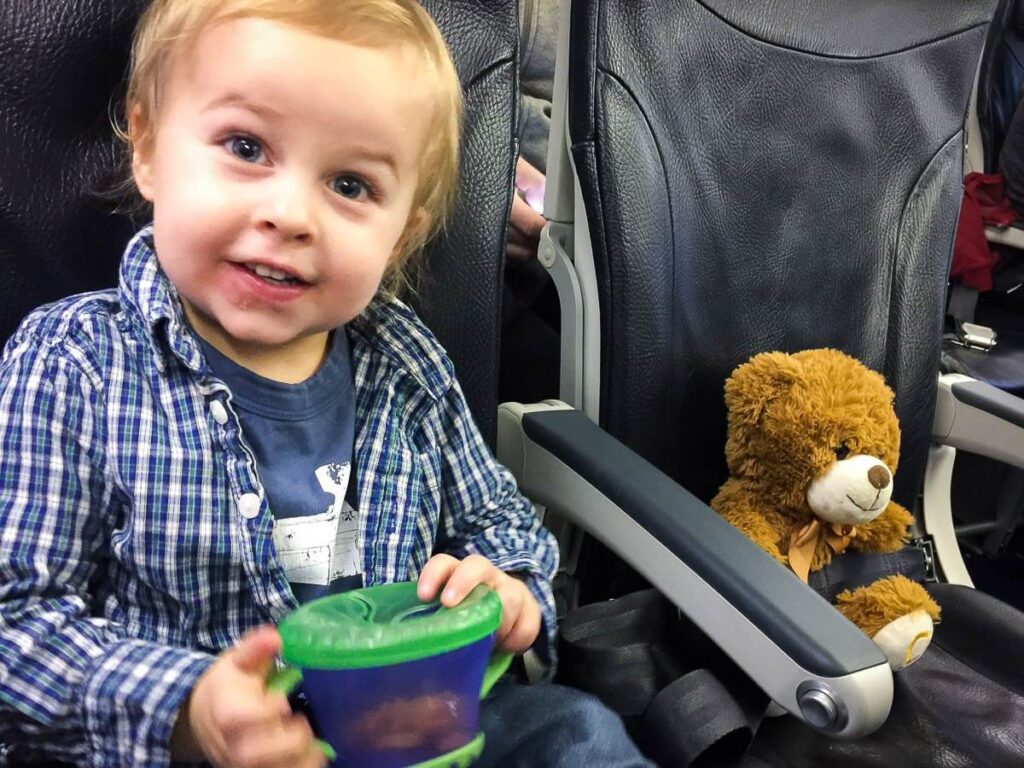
(286, 211)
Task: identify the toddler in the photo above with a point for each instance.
(252, 419)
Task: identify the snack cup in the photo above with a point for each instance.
(391, 681)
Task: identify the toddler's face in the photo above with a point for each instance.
(282, 176)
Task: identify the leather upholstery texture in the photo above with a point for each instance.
(63, 72)
(62, 78)
(837, 28)
(460, 295)
(769, 176)
(995, 104)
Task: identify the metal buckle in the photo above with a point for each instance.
(926, 544)
(975, 336)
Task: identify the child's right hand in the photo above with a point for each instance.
(233, 721)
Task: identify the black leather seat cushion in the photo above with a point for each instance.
(972, 667)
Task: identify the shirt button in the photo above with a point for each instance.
(219, 412)
(249, 505)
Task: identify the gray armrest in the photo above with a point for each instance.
(976, 417)
(790, 641)
(979, 418)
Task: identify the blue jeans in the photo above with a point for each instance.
(551, 726)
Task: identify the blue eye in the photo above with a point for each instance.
(350, 187)
(245, 148)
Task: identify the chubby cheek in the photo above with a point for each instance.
(360, 257)
(196, 209)
(187, 258)
(352, 286)
(183, 251)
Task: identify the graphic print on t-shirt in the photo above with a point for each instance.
(302, 438)
(322, 548)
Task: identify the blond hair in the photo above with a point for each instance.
(169, 26)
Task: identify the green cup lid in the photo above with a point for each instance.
(384, 625)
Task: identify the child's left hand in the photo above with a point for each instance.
(520, 615)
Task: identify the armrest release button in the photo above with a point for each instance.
(820, 707)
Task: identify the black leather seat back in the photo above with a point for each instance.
(999, 79)
(63, 69)
(763, 176)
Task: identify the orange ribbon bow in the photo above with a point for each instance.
(804, 543)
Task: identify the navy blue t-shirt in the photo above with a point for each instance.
(302, 437)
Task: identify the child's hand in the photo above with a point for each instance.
(231, 719)
(520, 615)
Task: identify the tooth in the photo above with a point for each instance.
(273, 274)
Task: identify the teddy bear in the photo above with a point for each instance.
(813, 441)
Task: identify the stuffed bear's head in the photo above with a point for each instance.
(815, 432)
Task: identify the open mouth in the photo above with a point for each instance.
(273, 276)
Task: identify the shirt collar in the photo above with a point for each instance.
(145, 288)
(391, 327)
(387, 326)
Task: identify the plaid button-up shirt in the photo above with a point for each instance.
(135, 536)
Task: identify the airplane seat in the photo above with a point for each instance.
(746, 216)
(61, 231)
(779, 177)
(1000, 77)
(984, 336)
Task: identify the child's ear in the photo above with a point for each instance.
(142, 141)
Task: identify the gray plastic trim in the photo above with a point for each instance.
(553, 253)
(558, 191)
(992, 400)
(583, 259)
(563, 204)
(938, 514)
(976, 417)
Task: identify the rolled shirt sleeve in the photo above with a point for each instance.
(484, 513)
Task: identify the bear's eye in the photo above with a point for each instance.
(842, 451)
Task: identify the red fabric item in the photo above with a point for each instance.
(984, 203)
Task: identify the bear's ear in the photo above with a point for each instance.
(754, 384)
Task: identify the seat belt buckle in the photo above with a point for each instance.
(926, 544)
(974, 336)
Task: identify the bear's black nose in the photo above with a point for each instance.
(879, 476)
